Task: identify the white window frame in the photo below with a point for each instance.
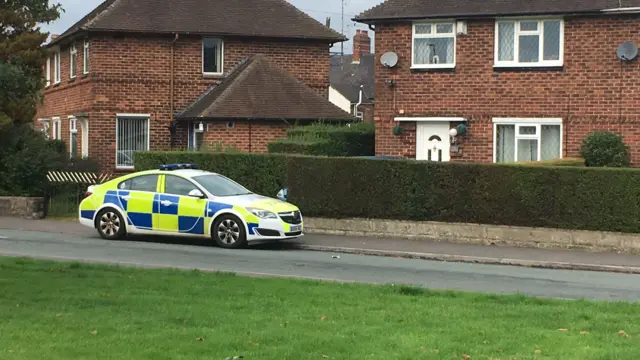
(526, 122)
(56, 67)
(46, 127)
(433, 34)
(48, 71)
(85, 57)
(73, 129)
(56, 125)
(221, 41)
(132, 116)
(73, 57)
(516, 43)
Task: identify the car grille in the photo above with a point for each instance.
(295, 233)
(291, 217)
(267, 232)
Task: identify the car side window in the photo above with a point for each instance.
(175, 185)
(140, 183)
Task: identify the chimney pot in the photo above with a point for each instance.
(53, 36)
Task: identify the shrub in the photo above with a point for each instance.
(605, 149)
(329, 140)
(538, 196)
(26, 158)
(263, 174)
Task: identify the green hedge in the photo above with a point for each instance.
(555, 197)
(556, 162)
(328, 140)
(263, 174)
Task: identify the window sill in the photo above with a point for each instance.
(212, 75)
(57, 84)
(499, 68)
(72, 79)
(448, 68)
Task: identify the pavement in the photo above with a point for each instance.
(284, 260)
(412, 249)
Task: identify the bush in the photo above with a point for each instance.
(329, 140)
(262, 174)
(605, 149)
(26, 158)
(537, 196)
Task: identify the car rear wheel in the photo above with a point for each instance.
(228, 232)
(110, 224)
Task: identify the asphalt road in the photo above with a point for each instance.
(281, 260)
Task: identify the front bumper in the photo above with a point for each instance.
(284, 227)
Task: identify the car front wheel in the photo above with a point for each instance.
(228, 232)
(110, 224)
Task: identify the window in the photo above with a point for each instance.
(517, 140)
(212, 56)
(132, 135)
(56, 67)
(175, 185)
(434, 45)
(73, 137)
(57, 129)
(147, 183)
(73, 56)
(529, 43)
(219, 185)
(48, 71)
(85, 57)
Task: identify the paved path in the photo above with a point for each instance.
(281, 260)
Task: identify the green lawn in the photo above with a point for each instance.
(76, 311)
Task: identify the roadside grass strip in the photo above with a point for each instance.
(54, 310)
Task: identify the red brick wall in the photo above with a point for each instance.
(244, 136)
(132, 75)
(584, 93)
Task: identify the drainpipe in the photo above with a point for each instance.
(171, 92)
(355, 108)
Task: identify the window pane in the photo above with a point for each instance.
(444, 28)
(506, 40)
(529, 26)
(199, 139)
(144, 183)
(178, 186)
(423, 28)
(433, 51)
(552, 40)
(551, 139)
(527, 150)
(73, 144)
(220, 185)
(212, 54)
(527, 130)
(132, 137)
(529, 48)
(505, 143)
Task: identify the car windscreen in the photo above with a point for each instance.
(221, 186)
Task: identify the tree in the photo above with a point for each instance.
(22, 57)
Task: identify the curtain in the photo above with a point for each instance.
(551, 138)
(505, 143)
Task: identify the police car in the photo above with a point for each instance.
(179, 199)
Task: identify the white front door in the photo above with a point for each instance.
(432, 141)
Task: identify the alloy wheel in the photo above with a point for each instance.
(228, 231)
(110, 223)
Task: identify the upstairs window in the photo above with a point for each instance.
(212, 56)
(85, 58)
(56, 67)
(525, 43)
(434, 45)
(73, 55)
(48, 71)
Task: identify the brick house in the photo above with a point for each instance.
(121, 79)
(351, 79)
(529, 79)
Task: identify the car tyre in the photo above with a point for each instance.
(228, 232)
(110, 224)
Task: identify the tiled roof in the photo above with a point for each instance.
(416, 9)
(260, 89)
(346, 77)
(260, 18)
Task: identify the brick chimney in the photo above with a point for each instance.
(54, 36)
(361, 45)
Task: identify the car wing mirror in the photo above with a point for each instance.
(196, 194)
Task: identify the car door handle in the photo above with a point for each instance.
(166, 203)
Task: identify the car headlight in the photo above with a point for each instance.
(262, 214)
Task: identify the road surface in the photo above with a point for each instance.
(281, 260)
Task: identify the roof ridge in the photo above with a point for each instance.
(285, 2)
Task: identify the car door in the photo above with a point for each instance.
(180, 212)
(137, 197)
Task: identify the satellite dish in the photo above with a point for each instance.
(627, 51)
(389, 59)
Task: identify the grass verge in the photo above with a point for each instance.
(78, 311)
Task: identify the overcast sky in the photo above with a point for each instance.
(74, 10)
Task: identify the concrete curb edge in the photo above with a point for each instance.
(474, 259)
